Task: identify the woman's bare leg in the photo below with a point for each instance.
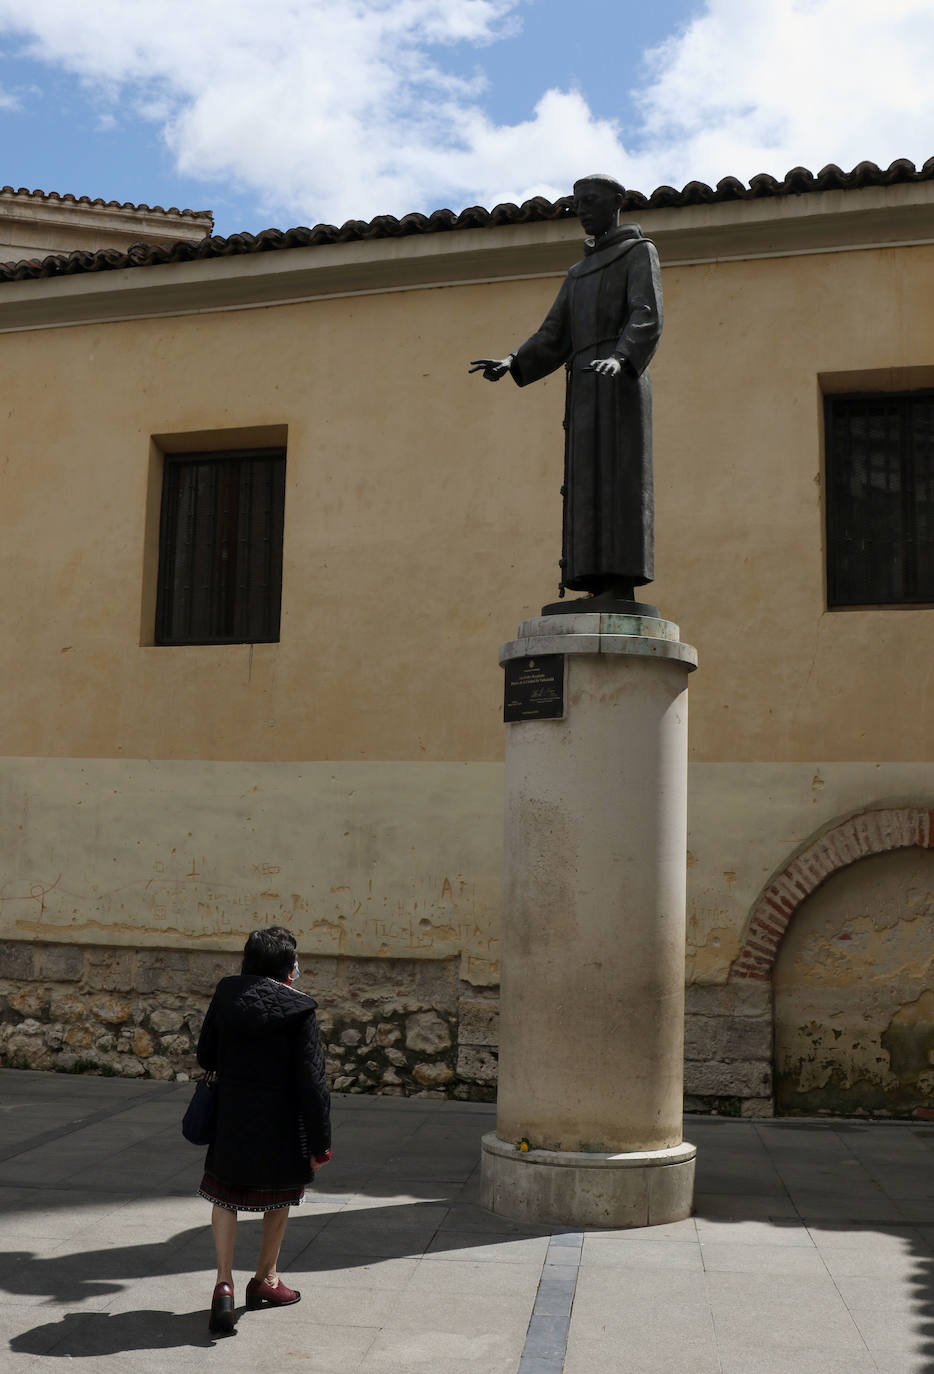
(274, 1224)
(224, 1227)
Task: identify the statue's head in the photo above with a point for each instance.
(597, 202)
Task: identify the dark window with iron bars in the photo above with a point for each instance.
(880, 499)
(220, 547)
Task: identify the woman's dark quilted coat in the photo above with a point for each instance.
(261, 1037)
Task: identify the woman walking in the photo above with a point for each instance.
(260, 1036)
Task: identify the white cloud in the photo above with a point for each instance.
(769, 85)
(327, 109)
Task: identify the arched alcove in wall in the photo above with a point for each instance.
(853, 992)
(845, 937)
(869, 832)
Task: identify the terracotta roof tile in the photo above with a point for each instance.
(799, 181)
(66, 198)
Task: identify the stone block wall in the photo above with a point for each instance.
(728, 1049)
(400, 1027)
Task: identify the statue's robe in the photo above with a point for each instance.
(610, 302)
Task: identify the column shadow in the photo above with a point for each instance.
(867, 1179)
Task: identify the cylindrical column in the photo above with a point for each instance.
(592, 998)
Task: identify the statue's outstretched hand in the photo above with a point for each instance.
(607, 367)
(492, 368)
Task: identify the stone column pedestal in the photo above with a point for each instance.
(592, 1004)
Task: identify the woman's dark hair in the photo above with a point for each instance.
(270, 952)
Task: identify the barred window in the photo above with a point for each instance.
(220, 547)
(880, 499)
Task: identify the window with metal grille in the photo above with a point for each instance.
(220, 547)
(880, 499)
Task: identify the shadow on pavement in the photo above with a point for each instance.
(864, 1187)
(922, 1284)
(83, 1334)
(344, 1240)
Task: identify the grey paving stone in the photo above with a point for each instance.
(796, 1360)
(269, 1342)
(367, 1271)
(458, 1313)
(431, 1352)
(918, 1360)
(547, 1336)
(730, 1257)
(863, 1294)
(538, 1364)
(472, 1245)
(646, 1349)
(742, 1206)
(623, 1253)
(470, 1217)
(777, 1231)
(817, 1207)
(891, 1332)
(895, 1240)
(882, 1265)
(780, 1312)
(671, 1230)
(392, 1243)
(460, 1276)
(617, 1302)
(555, 1295)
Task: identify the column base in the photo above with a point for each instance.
(561, 1188)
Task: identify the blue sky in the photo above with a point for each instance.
(301, 111)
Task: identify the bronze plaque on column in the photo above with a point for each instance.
(534, 688)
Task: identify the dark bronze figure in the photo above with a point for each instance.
(604, 328)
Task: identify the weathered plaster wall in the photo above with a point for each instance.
(366, 861)
(747, 821)
(359, 859)
(854, 991)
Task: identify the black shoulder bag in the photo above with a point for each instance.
(200, 1120)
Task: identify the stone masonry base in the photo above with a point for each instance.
(728, 1049)
(398, 1027)
(578, 1190)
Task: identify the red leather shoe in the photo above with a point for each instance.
(259, 1291)
(222, 1311)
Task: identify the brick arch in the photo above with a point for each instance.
(869, 832)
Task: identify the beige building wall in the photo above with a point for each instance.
(348, 778)
(35, 225)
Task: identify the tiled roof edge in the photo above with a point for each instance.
(66, 198)
(799, 181)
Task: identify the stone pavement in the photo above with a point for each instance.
(812, 1250)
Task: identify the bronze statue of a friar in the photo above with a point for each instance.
(604, 328)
